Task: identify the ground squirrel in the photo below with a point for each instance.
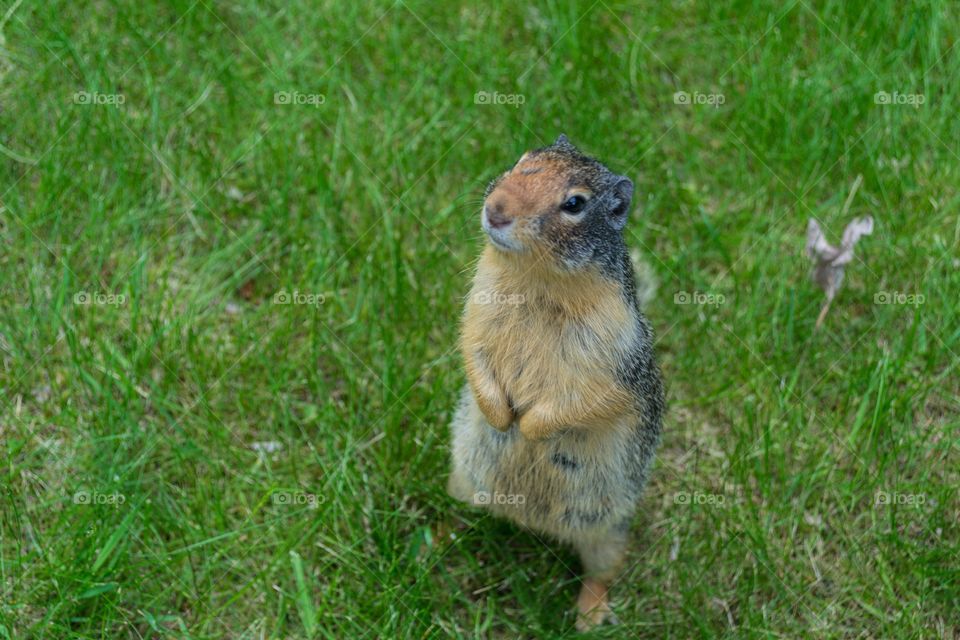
(558, 424)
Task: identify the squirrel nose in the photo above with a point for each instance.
(496, 218)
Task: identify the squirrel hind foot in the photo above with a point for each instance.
(593, 605)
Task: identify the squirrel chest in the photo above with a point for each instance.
(564, 337)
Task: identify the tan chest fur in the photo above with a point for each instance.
(548, 336)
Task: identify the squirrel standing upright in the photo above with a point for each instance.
(560, 419)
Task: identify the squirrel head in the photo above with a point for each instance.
(558, 206)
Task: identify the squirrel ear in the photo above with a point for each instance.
(562, 141)
(623, 193)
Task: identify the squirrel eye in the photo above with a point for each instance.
(574, 204)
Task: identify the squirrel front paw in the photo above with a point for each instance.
(498, 414)
(533, 427)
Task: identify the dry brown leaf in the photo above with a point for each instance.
(828, 260)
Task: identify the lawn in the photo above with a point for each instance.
(236, 238)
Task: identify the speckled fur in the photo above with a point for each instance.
(561, 416)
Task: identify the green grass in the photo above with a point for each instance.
(199, 198)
